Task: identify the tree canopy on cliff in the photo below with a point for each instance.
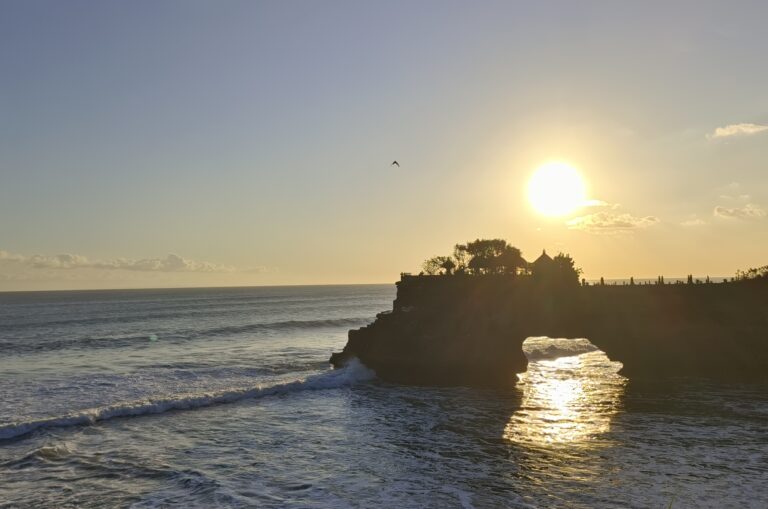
(496, 256)
(489, 256)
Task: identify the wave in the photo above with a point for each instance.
(537, 349)
(44, 453)
(351, 374)
(184, 335)
(163, 311)
(291, 324)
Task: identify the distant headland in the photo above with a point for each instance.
(463, 320)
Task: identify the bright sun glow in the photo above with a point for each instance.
(556, 189)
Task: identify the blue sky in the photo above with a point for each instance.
(252, 140)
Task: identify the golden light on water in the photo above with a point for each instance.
(569, 400)
(556, 189)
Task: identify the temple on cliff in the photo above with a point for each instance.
(542, 263)
(469, 329)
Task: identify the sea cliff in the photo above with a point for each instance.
(469, 329)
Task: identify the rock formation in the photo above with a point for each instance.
(469, 329)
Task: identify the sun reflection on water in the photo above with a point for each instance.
(568, 400)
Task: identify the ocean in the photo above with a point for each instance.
(224, 398)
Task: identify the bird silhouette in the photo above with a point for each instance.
(395, 163)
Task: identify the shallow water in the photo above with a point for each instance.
(223, 397)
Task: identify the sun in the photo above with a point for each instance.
(556, 189)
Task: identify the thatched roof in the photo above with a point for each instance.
(543, 259)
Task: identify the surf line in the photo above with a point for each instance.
(353, 373)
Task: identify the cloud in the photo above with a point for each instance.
(693, 222)
(600, 204)
(734, 192)
(606, 222)
(740, 197)
(6, 256)
(171, 263)
(748, 211)
(733, 130)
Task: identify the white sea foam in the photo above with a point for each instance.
(543, 348)
(354, 372)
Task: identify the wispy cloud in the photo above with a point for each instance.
(733, 192)
(607, 222)
(748, 211)
(740, 197)
(600, 204)
(693, 222)
(733, 130)
(170, 263)
(604, 217)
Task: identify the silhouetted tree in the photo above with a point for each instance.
(510, 260)
(632, 281)
(431, 266)
(461, 257)
(566, 269)
(437, 263)
(483, 253)
(489, 256)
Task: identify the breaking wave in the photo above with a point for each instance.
(353, 373)
(544, 348)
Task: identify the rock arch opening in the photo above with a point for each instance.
(570, 392)
(538, 348)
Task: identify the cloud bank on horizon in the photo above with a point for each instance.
(170, 263)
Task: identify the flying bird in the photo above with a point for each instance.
(395, 163)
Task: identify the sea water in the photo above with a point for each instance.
(224, 398)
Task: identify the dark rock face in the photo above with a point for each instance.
(469, 330)
(708, 330)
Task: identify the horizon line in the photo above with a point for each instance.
(220, 287)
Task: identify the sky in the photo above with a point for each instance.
(198, 143)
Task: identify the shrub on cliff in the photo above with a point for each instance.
(753, 273)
